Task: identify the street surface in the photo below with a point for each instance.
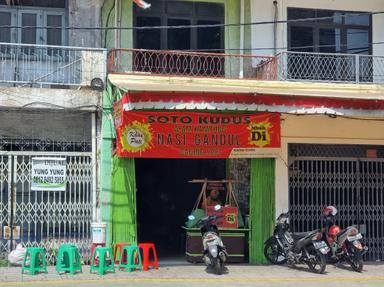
(184, 274)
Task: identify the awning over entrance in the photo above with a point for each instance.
(142, 82)
(292, 104)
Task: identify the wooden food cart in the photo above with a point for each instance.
(230, 224)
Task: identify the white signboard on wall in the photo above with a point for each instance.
(48, 173)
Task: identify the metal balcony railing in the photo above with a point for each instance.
(43, 65)
(324, 67)
(191, 64)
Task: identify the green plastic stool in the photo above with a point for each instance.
(105, 254)
(133, 258)
(37, 261)
(68, 259)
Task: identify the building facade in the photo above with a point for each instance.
(318, 65)
(50, 80)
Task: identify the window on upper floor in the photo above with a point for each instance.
(346, 32)
(180, 13)
(33, 14)
(338, 32)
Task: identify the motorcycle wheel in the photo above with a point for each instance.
(218, 266)
(318, 263)
(356, 262)
(274, 253)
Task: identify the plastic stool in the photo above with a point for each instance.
(94, 245)
(132, 254)
(147, 247)
(105, 254)
(37, 261)
(119, 247)
(68, 259)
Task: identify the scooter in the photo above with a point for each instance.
(215, 254)
(306, 247)
(345, 244)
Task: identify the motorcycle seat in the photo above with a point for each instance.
(342, 232)
(301, 235)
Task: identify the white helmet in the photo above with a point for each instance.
(330, 210)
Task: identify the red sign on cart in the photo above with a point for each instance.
(194, 134)
(227, 216)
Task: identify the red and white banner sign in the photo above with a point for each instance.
(142, 4)
(194, 134)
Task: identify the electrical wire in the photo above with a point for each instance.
(301, 20)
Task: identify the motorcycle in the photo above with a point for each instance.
(215, 254)
(306, 247)
(345, 244)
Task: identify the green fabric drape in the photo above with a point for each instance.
(262, 207)
(123, 211)
(108, 134)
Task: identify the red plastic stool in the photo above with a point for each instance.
(119, 247)
(146, 247)
(94, 245)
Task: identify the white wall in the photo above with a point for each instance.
(263, 10)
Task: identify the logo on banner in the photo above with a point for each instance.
(136, 137)
(260, 134)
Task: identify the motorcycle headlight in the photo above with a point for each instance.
(317, 236)
(213, 250)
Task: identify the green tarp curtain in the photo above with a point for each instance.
(262, 207)
(108, 134)
(123, 211)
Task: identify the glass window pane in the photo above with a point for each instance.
(148, 39)
(28, 35)
(357, 41)
(301, 39)
(210, 39)
(336, 16)
(298, 13)
(5, 33)
(54, 36)
(209, 9)
(179, 7)
(179, 39)
(353, 19)
(330, 41)
(156, 8)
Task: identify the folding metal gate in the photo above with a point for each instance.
(354, 185)
(46, 218)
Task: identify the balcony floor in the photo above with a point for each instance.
(131, 82)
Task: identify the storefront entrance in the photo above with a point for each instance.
(165, 198)
(349, 177)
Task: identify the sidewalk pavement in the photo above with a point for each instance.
(181, 273)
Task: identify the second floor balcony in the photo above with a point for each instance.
(24, 65)
(286, 66)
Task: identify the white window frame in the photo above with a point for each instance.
(20, 12)
(42, 13)
(13, 22)
(50, 12)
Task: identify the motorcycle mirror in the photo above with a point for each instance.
(191, 217)
(217, 207)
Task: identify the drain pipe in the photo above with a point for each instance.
(241, 72)
(117, 23)
(275, 27)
